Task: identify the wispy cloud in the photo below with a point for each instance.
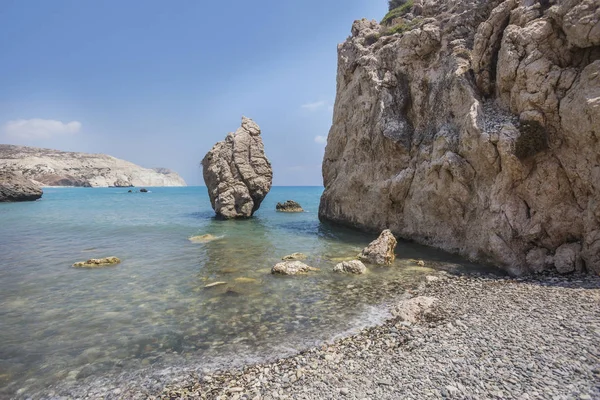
(321, 139)
(314, 106)
(37, 128)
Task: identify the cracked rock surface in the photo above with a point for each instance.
(475, 131)
(237, 173)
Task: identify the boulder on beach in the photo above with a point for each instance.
(381, 250)
(289, 206)
(97, 262)
(15, 187)
(292, 268)
(294, 256)
(351, 267)
(412, 310)
(237, 173)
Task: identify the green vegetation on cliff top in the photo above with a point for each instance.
(401, 7)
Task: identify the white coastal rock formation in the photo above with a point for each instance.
(48, 167)
(475, 129)
(237, 173)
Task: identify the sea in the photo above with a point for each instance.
(65, 329)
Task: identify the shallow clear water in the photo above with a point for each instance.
(62, 326)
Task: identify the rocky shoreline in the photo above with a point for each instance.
(487, 337)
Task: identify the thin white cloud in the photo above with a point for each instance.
(321, 139)
(314, 106)
(37, 128)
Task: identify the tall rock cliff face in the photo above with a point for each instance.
(49, 167)
(476, 129)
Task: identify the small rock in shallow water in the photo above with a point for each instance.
(97, 262)
(351, 267)
(214, 284)
(204, 238)
(289, 206)
(292, 268)
(294, 256)
(381, 250)
(246, 280)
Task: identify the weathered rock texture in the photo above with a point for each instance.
(15, 187)
(350, 267)
(237, 173)
(292, 268)
(381, 250)
(289, 206)
(477, 131)
(61, 168)
(97, 262)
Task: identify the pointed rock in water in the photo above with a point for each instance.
(294, 256)
(97, 262)
(292, 268)
(237, 173)
(351, 267)
(289, 206)
(15, 187)
(381, 250)
(204, 238)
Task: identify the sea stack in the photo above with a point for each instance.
(473, 126)
(237, 173)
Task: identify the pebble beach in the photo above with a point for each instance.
(485, 338)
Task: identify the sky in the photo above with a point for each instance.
(158, 83)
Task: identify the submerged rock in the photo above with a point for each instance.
(97, 262)
(292, 268)
(214, 284)
(204, 238)
(289, 206)
(294, 256)
(237, 173)
(381, 250)
(15, 187)
(351, 267)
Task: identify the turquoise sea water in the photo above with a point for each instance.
(65, 327)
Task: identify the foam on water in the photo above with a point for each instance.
(64, 328)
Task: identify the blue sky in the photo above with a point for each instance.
(159, 82)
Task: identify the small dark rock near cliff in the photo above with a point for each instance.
(237, 173)
(473, 126)
(289, 206)
(14, 187)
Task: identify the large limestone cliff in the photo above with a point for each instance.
(475, 129)
(60, 168)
